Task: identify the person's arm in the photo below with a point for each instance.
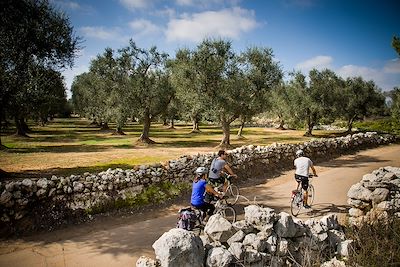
(229, 170)
(211, 191)
(314, 171)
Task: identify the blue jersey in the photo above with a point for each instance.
(198, 190)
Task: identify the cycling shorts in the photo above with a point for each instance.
(216, 182)
(303, 180)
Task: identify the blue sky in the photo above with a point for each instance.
(351, 37)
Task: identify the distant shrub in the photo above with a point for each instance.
(384, 125)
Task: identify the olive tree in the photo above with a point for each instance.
(187, 86)
(32, 34)
(149, 83)
(358, 99)
(261, 74)
(395, 106)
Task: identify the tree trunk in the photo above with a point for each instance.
(225, 142)
(118, 131)
(165, 122)
(94, 122)
(172, 124)
(21, 131)
(195, 128)
(310, 125)
(104, 126)
(240, 131)
(25, 126)
(281, 123)
(350, 124)
(144, 137)
(1, 127)
(1, 145)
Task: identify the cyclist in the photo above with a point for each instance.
(200, 189)
(303, 165)
(218, 169)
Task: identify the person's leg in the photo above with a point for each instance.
(225, 187)
(304, 185)
(208, 211)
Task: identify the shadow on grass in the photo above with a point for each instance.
(66, 149)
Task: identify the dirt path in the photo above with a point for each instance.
(120, 241)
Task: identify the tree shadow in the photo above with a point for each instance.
(356, 161)
(63, 149)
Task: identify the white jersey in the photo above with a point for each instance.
(303, 165)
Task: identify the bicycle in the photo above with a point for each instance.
(222, 207)
(232, 193)
(297, 200)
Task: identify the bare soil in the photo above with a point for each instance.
(121, 240)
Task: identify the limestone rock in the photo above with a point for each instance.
(179, 247)
(218, 257)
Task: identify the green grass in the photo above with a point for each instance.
(152, 194)
(67, 146)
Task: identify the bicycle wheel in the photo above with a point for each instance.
(233, 194)
(296, 203)
(311, 194)
(228, 213)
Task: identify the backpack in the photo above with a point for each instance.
(187, 219)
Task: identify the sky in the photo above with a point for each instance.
(350, 37)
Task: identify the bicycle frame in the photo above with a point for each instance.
(297, 198)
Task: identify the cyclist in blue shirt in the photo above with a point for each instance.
(200, 188)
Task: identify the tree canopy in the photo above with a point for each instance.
(35, 41)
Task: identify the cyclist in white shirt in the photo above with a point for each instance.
(303, 165)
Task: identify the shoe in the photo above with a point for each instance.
(307, 206)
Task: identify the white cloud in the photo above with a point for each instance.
(226, 23)
(135, 4)
(385, 77)
(354, 71)
(381, 77)
(101, 33)
(318, 62)
(392, 66)
(144, 27)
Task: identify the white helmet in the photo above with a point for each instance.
(201, 171)
(299, 153)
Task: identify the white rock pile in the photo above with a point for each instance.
(263, 238)
(376, 195)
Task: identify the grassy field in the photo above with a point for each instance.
(72, 146)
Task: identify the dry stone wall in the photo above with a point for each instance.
(43, 203)
(377, 195)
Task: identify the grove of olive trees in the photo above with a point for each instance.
(210, 82)
(30, 59)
